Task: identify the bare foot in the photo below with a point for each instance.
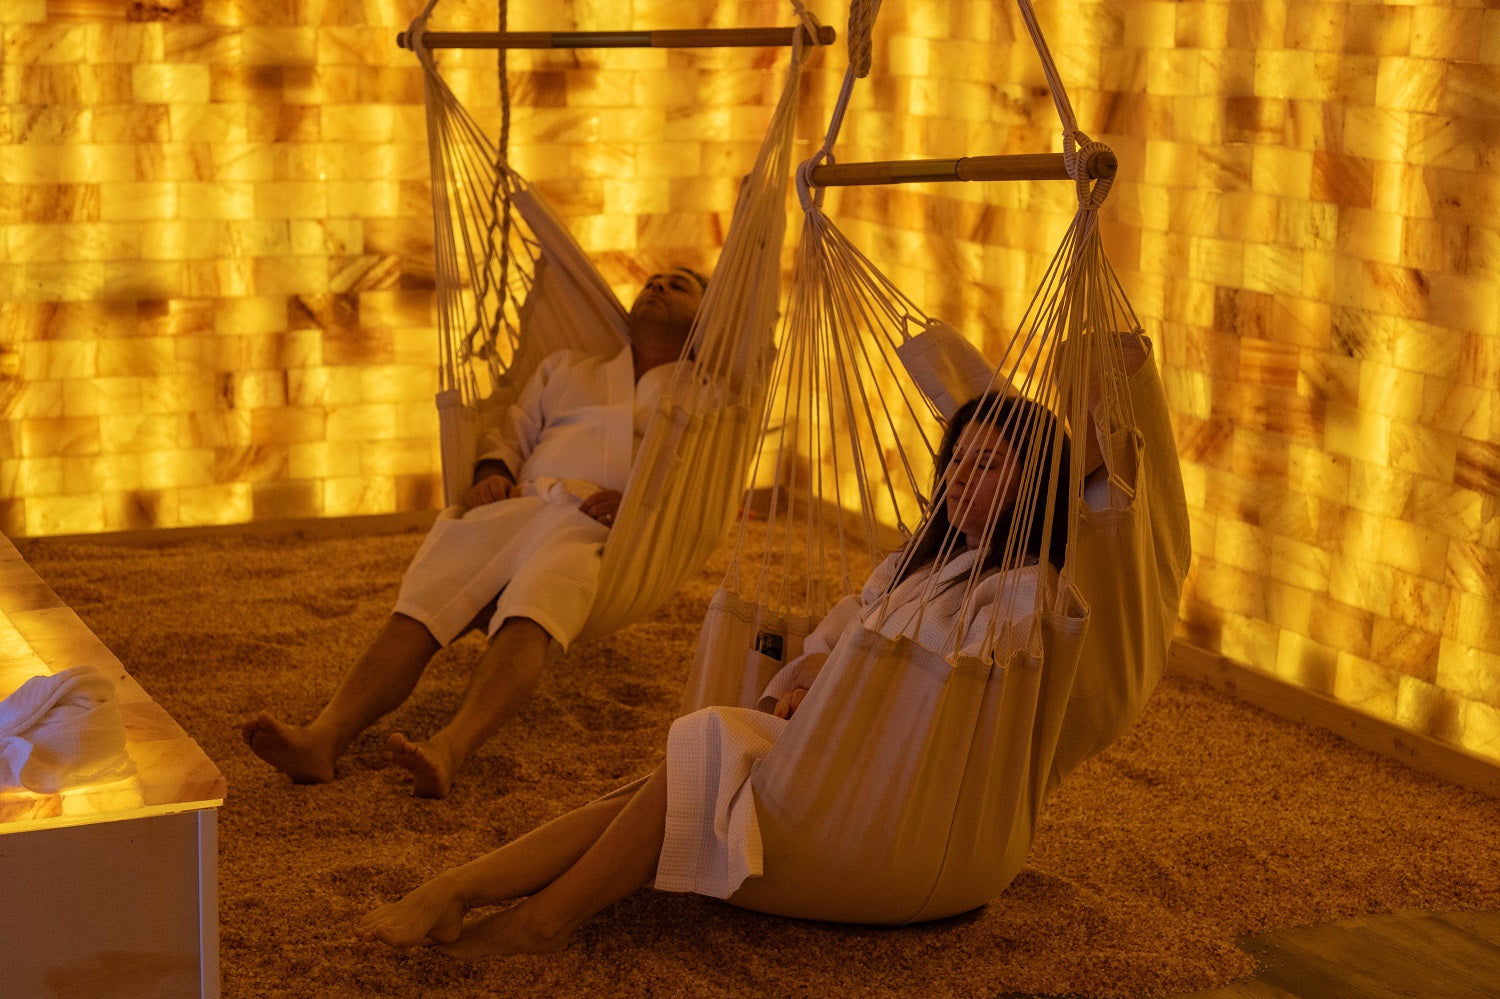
(429, 763)
(303, 757)
(503, 933)
(431, 914)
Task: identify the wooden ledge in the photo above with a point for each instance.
(1284, 700)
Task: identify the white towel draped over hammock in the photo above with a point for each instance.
(513, 287)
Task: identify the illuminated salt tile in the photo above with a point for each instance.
(354, 198)
(1411, 651)
(1446, 33)
(1289, 606)
(290, 276)
(276, 46)
(1241, 546)
(178, 394)
(136, 356)
(399, 457)
(137, 432)
(1379, 30)
(34, 477)
(1376, 234)
(1366, 685)
(1419, 603)
(100, 396)
(240, 162)
(336, 237)
(285, 425)
(1469, 672)
(321, 460)
(295, 499)
(1378, 489)
(24, 12)
(286, 200)
(1306, 663)
(216, 429)
(1409, 84)
(59, 359)
(1423, 451)
(135, 509)
(254, 389)
(1272, 269)
(170, 83)
(220, 504)
(363, 494)
(1377, 133)
(178, 469)
(1419, 704)
(1471, 621)
(1251, 641)
(1489, 43)
(1300, 564)
(218, 278)
(64, 515)
(217, 200)
(1216, 261)
(1358, 578)
(38, 398)
(208, 122)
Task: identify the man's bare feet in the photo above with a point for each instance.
(292, 749)
(430, 764)
(503, 933)
(431, 914)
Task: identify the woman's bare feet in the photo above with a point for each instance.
(293, 749)
(431, 914)
(430, 763)
(503, 933)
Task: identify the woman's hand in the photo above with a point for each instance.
(804, 672)
(602, 506)
(490, 489)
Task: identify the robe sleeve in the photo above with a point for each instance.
(1133, 555)
(512, 439)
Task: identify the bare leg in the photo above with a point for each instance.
(621, 860)
(434, 911)
(502, 680)
(378, 682)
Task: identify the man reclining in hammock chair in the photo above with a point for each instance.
(574, 866)
(522, 563)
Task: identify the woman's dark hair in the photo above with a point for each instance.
(1025, 425)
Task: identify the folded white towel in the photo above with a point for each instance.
(62, 730)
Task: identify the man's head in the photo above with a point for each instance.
(670, 299)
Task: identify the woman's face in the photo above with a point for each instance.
(982, 476)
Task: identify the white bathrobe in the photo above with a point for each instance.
(573, 431)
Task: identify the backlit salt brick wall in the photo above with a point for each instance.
(216, 271)
(216, 268)
(1308, 224)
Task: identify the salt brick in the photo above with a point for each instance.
(1366, 685)
(1469, 672)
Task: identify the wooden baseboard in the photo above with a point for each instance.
(313, 527)
(1413, 749)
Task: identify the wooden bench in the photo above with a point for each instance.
(108, 889)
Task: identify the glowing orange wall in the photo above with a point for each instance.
(215, 269)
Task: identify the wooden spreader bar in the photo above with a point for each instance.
(1023, 166)
(686, 38)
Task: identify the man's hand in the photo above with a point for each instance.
(602, 506)
(490, 489)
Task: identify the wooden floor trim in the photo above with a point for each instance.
(1420, 752)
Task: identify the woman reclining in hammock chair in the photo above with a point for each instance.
(572, 867)
(522, 563)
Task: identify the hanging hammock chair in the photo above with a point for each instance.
(513, 286)
(908, 783)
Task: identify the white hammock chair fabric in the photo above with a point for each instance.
(907, 785)
(514, 287)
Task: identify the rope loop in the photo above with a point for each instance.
(1078, 151)
(811, 197)
(861, 28)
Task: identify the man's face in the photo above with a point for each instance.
(671, 297)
